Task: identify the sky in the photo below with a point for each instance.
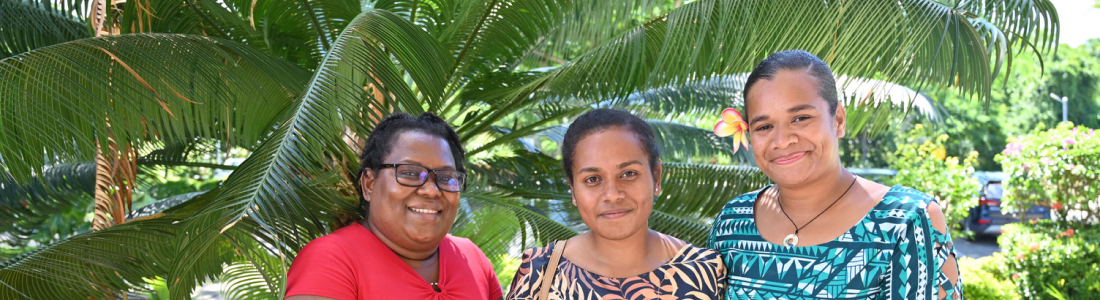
(1079, 20)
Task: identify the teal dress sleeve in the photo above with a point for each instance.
(916, 266)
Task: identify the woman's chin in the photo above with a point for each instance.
(425, 235)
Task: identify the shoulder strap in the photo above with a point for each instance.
(551, 270)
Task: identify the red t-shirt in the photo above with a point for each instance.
(352, 263)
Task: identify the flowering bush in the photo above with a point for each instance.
(1056, 167)
(922, 163)
(983, 278)
(1050, 260)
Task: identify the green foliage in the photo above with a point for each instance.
(922, 163)
(974, 126)
(983, 278)
(238, 72)
(1058, 166)
(1051, 255)
(1020, 102)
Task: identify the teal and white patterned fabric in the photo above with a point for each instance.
(893, 253)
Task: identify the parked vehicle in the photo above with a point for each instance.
(987, 218)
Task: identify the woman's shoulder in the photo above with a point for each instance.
(347, 237)
(903, 198)
(463, 245)
(538, 253)
(692, 253)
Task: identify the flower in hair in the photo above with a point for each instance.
(732, 124)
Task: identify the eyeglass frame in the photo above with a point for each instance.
(433, 172)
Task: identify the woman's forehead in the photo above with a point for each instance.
(787, 90)
(421, 148)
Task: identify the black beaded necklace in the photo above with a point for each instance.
(792, 239)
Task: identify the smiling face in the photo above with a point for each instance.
(794, 135)
(613, 183)
(414, 218)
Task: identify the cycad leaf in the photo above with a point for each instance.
(698, 191)
(28, 27)
(266, 187)
(906, 42)
(59, 99)
(1035, 21)
(682, 143)
(98, 265)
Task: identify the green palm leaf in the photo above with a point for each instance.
(59, 99)
(865, 39)
(29, 27)
(265, 188)
(698, 191)
(109, 261)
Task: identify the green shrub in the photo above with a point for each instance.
(1048, 260)
(923, 163)
(1056, 167)
(983, 278)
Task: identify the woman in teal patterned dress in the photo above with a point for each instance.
(821, 232)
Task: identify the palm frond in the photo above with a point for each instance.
(529, 175)
(682, 143)
(1035, 21)
(265, 188)
(684, 229)
(26, 208)
(60, 99)
(100, 264)
(28, 27)
(52, 188)
(698, 191)
(251, 278)
(534, 229)
(907, 42)
(578, 33)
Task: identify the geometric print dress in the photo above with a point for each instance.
(694, 273)
(892, 253)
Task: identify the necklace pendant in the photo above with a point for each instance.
(791, 240)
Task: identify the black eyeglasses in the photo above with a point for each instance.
(415, 176)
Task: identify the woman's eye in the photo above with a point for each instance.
(591, 179)
(409, 174)
(628, 174)
(798, 119)
(764, 127)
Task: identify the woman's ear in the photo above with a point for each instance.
(366, 183)
(841, 120)
(572, 194)
(657, 172)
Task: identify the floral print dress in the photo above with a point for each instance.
(694, 273)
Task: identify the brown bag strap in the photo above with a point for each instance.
(551, 270)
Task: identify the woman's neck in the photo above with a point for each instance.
(410, 256)
(814, 195)
(636, 254)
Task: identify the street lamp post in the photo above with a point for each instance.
(1065, 108)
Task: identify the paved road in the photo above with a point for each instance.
(980, 247)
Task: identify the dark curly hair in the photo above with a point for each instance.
(385, 134)
(603, 119)
(794, 60)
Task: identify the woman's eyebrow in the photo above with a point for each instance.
(625, 164)
(758, 119)
(589, 169)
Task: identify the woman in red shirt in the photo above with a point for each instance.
(410, 177)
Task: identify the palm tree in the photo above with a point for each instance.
(130, 86)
